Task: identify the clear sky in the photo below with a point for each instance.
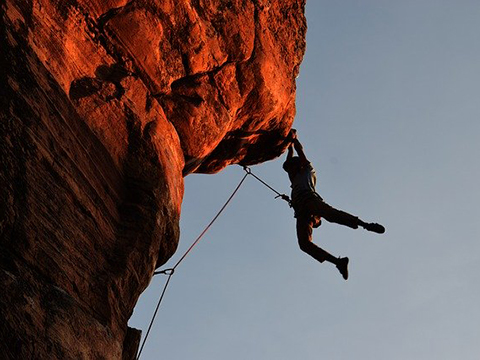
(388, 111)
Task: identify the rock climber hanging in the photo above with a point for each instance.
(310, 208)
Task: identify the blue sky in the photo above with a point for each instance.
(388, 112)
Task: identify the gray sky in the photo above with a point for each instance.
(388, 112)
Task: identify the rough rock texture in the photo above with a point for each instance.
(105, 106)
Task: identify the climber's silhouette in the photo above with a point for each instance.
(310, 208)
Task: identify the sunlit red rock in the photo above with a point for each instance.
(106, 106)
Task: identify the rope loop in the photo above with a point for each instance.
(247, 169)
(284, 197)
(165, 272)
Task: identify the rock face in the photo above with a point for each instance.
(106, 106)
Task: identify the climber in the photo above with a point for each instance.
(310, 208)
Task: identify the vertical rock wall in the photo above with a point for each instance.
(105, 107)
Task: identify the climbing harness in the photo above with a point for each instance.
(170, 271)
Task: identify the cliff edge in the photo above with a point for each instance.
(105, 106)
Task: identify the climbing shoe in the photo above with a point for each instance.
(379, 229)
(342, 266)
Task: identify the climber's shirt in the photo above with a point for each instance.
(303, 185)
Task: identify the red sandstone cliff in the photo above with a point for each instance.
(105, 106)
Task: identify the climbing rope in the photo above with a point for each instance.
(169, 272)
(282, 196)
(155, 312)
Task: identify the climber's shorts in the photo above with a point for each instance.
(311, 207)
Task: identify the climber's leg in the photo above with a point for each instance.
(331, 214)
(304, 234)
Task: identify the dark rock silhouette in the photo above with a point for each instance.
(106, 106)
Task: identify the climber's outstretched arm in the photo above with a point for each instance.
(299, 150)
(298, 147)
(290, 151)
(295, 144)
